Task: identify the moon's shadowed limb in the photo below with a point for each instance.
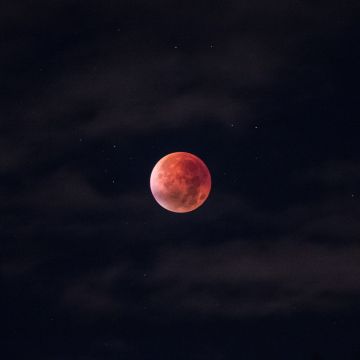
(180, 182)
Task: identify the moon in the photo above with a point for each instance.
(180, 182)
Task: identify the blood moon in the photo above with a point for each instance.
(180, 182)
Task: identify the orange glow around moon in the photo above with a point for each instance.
(180, 182)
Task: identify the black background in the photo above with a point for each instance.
(93, 94)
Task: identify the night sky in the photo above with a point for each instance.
(93, 94)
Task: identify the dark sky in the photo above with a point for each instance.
(93, 94)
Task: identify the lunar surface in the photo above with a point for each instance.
(180, 182)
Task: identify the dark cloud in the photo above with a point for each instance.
(285, 276)
(235, 279)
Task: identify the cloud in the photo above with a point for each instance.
(93, 293)
(230, 280)
(243, 280)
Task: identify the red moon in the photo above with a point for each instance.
(180, 182)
